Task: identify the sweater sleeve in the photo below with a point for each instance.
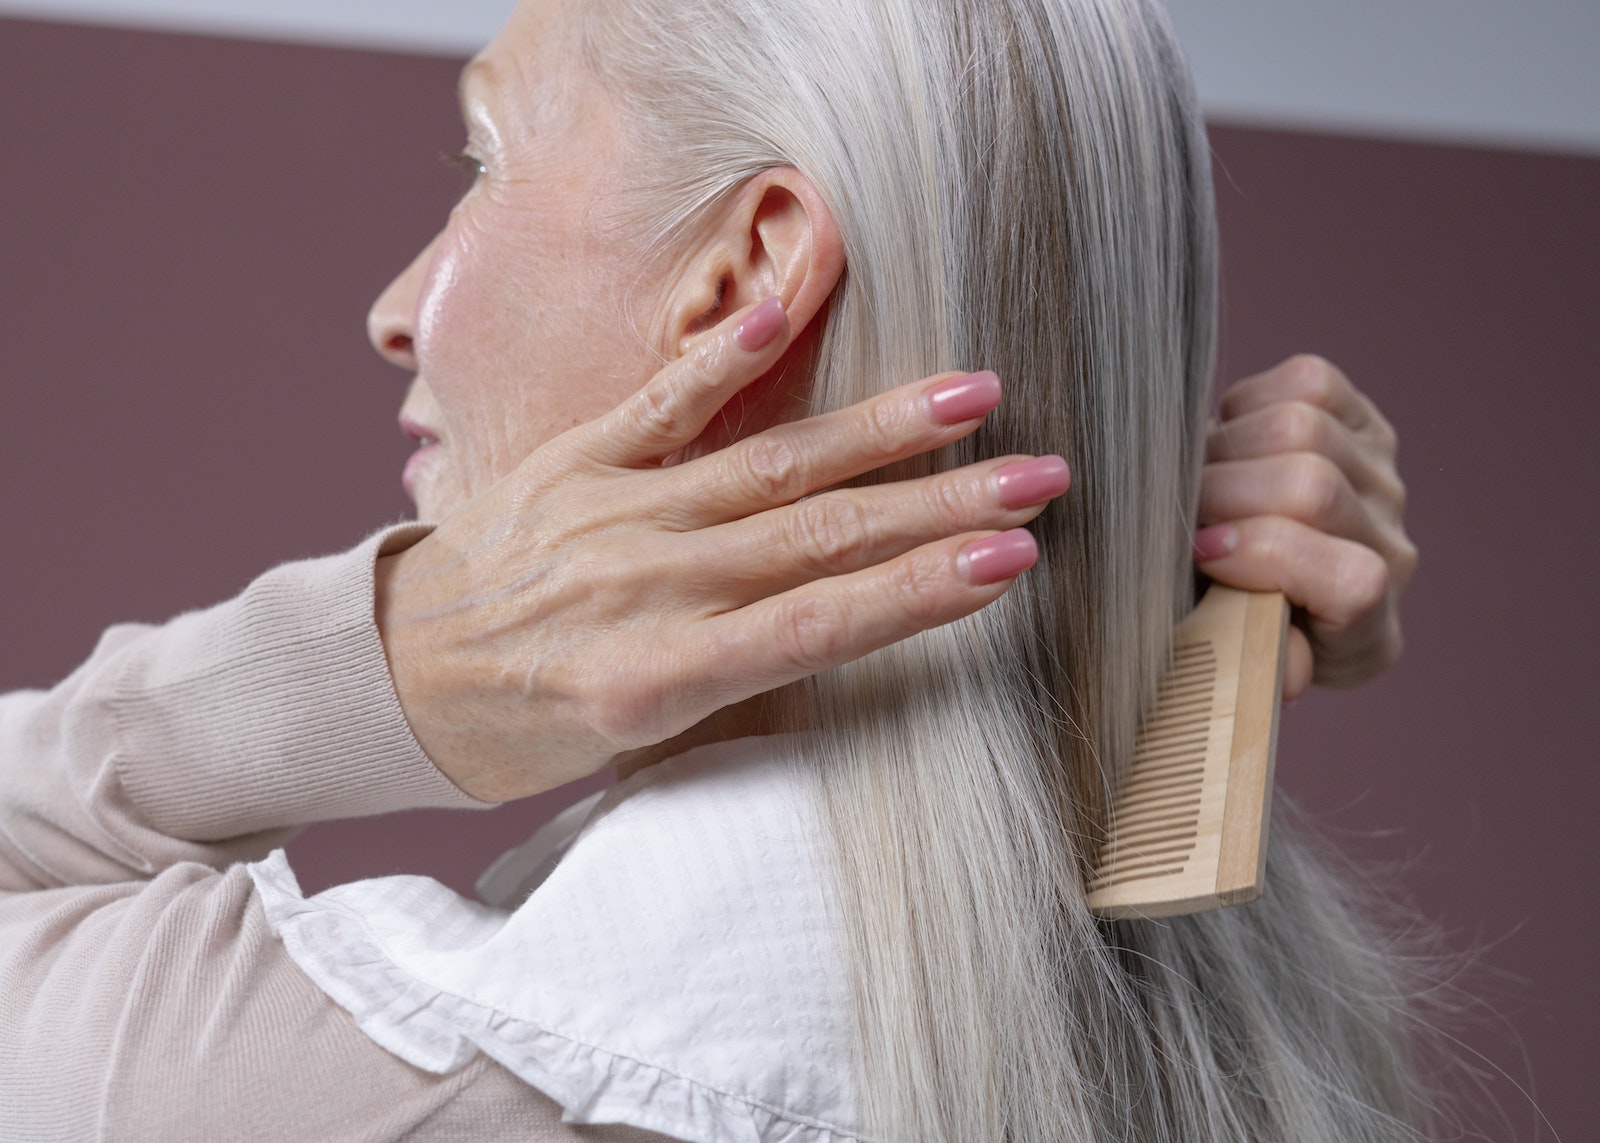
(209, 739)
(142, 993)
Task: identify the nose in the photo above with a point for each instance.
(392, 321)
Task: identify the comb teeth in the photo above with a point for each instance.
(1188, 818)
(1158, 802)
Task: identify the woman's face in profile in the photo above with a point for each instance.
(512, 318)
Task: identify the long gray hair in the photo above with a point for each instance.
(1024, 185)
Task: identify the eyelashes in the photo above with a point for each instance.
(467, 163)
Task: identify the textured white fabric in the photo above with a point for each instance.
(518, 872)
(676, 970)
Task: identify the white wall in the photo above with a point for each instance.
(436, 27)
(1520, 72)
(1511, 72)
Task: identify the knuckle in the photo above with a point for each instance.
(1364, 582)
(829, 530)
(601, 585)
(1383, 433)
(1313, 376)
(812, 632)
(1394, 490)
(1297, 427)
(918, 588)
(947, 500)
(1317, 488)
(1269, 542)
(583, 569)
(772, 468)
(880, 428)
(659, 413)
(709, 360)
(1270, 536)
(1405, 561)
(618, 713)
(636, 707)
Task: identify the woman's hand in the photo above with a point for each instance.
(1300, 494)
(601, 598)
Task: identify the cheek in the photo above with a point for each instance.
(480, 318)
(521, 334)
(457, 334)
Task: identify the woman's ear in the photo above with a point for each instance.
(774, 235)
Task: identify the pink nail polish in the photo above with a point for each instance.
(760, 325)
(963, 398)
(1215, 542)
(1030, 482)
(999, 557)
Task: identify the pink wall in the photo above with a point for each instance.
(190, 233)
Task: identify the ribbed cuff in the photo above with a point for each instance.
(275, 708)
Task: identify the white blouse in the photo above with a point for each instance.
(672, 964)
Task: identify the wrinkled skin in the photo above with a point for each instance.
(616, 570)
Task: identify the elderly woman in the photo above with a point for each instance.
(705, 239)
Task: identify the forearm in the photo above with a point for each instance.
(213, 737)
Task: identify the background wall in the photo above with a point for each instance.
(1471, 70)
(191, 231)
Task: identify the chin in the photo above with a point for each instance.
(433, 503)
(426, 510)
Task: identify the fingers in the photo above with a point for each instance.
(791, 460)
(1297, 665)
(680, 401)
(1304, 487)
(835, 533)
(1298, 427)
(1313, 381)
(830, 622)
(1303, 464)
(1343, 586)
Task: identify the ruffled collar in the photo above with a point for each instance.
(673, 966)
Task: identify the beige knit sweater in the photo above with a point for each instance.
(142, 996)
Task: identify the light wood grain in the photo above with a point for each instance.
(1188, 819)
(1241, 865)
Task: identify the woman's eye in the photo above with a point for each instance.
(467, 162)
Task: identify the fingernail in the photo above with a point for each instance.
(1215, 542)
(963, 398)
(999, 557)
(1029, 482)
(760, 325)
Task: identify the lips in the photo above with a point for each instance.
(427, 440)
(424, 435)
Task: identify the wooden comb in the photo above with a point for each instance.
(1188, 821)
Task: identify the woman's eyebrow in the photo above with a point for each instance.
(479, 91)
(472, 77)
